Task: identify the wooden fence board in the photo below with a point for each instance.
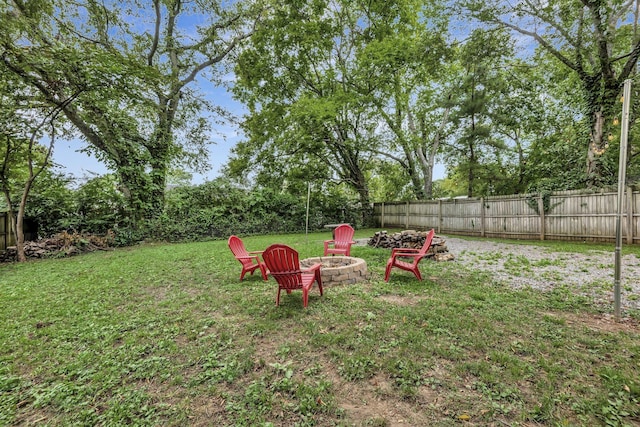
(569, 215)
(4, 232)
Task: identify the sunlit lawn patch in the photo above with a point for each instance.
(166, 335)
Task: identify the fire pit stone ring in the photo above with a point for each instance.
(338, 270)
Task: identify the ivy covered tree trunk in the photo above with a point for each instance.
(602, 103)
(594, 40)
(134, 80)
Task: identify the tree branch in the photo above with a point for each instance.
(156, 33)
(544, 43)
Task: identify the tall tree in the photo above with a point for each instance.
(135, 67)
(322, 76)
(303, 113)
(409, 96)
(596, 40)
(24, 121)
(476, 144)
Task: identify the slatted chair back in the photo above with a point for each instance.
(415, 254)
(250, 260)
(237, 248)
(425, 247)
(341, 242)
(283, 263)
(343, 236)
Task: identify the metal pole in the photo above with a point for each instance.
(307, 220)
(622, 169)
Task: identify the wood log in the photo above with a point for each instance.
(61, 244)
(411, 239)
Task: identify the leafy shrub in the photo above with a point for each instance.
(214, 209)
(217, 209)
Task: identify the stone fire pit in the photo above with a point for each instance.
(337, 270)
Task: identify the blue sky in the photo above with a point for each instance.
(68, 155)
(223, 138)
(72, 162)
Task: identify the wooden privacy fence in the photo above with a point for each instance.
(6, 236)
(5, 232)
(566, 215)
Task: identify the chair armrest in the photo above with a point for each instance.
(249, 257)
(407, 251)
(256, 252)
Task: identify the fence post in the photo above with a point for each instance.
(382, 216)
(482, 219)
(541, 213)
(407, 221)
(439, 216)
(629, 216)
(3, 231)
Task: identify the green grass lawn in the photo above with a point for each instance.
(165, 334)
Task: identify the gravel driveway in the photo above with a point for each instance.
(591, 274)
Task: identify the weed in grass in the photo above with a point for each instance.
(478, 296)
(489, 256)
(619, 408)
(517, 265)
(357, 368)
(313, 399)
(546, 262)
(449, 351)
(502, 397)
(514, 366)
(130, 407)
(562, 297)
(386, 347)
(285, 381)
(556, 320)
(602, 266)
(313, 371)
(407, 377)
(283, 351)
(218, 369)
(251, 408)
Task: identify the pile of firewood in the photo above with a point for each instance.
(60, 245)
(412, 239)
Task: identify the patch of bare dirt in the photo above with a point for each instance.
(603, 322)
(400, 300)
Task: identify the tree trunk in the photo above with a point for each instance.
(363, 193)
(429, 162)
(21, 256)
(594, 166)
(17, 222)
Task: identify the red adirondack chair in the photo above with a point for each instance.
(284, 265)
(416, 254)
(250, 260)
(341, 242)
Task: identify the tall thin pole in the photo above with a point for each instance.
(307, 220)
(622, 170)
